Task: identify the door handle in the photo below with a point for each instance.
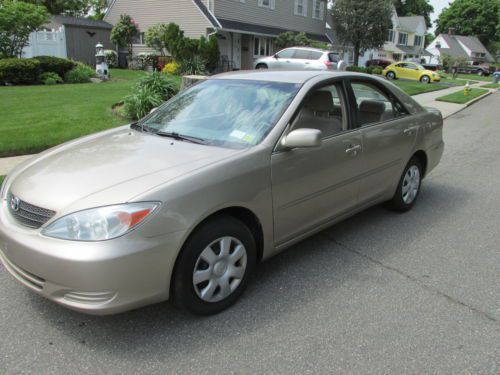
(353, 149)
(410, 130)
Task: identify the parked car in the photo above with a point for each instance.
(411, 70)
(481, 70)
(184, 203)
(378, 62)
(301, 58)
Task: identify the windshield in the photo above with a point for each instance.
(226, 113)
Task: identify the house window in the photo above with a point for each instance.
(138, 39)
(418, 41)
(390, 36)
(318, 9)
(301, 8)
(403, 39)
(266, 4)
(262, 46)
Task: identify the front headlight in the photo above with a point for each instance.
(99, 224)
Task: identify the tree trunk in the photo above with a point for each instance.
(356, 53)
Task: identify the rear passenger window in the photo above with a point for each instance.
(315, 55)
(373, 105)
(301, 54)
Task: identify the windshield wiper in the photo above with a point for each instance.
(182, 137)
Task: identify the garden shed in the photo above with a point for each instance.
(70, 37)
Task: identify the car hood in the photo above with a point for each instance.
(108, 169)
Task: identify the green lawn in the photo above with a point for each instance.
(468, 77)
(1, 179)
(35, 118)
(459, 97)
(492, 86)
(415, 87)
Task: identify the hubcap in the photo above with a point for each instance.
(411, 184)
(219, 269)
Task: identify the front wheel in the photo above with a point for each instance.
(391, 75)
(214, 266)
(408, 187)
(425, 79)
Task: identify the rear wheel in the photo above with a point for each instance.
(214, 266)
(261, 66)
(425, 79)
(391, 75)
(408, 187)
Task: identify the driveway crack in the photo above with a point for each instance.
(415, 281)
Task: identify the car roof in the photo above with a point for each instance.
(289, 76)
(309, 49)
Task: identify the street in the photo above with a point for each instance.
(381, 293)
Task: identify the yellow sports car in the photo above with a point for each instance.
(410, 70)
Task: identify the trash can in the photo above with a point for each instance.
(496, 77)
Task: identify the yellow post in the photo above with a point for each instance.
(467, 89)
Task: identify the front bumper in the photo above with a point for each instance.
(98, 278)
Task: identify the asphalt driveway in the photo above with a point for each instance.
(379, 293)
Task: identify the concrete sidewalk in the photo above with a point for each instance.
(7, 164)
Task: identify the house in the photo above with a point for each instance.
(246, 29)
(69, 37)
(468, 47)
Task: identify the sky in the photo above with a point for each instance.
(438, 7)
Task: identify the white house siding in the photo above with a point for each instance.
(282, 16)
(151, 12)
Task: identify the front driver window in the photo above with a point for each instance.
(323, 109)
(286, 54)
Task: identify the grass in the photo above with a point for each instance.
(415, 87)
(492, 86)
(459, 97)
(35, 118)
(1, 179)
(468, 77)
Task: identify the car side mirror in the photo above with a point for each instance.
(302, 138)
(275, 56)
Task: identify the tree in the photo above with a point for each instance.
(291, 39)
(479, 18)
(74, 8)
(17, 21)
(124, 32)
(364, 23)
(406, 8)
(98, 8)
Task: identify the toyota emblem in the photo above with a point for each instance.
(14, 204)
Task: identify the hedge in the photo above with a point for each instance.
(50, 64)
(19, 71)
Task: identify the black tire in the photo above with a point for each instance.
(183, 290)
(261, 66)
(391, 75)
(425, 79)
(398, 203)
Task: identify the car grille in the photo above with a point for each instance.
(28, 214)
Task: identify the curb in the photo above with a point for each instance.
(468, 104)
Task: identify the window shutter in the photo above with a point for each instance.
(322, 10)
(273, 4)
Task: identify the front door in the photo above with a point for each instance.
(237, 50)
(312, 186)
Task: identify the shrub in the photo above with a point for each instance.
(209, 52)
(159, 84)
(111, 58)
(357, 69)
(171, 68)
(50, 64)
(50, 78)
(141, 102)
(150, 91)
(19, 71)
(193, 65)
(144, 60)
(81, 73)
(377, 70)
